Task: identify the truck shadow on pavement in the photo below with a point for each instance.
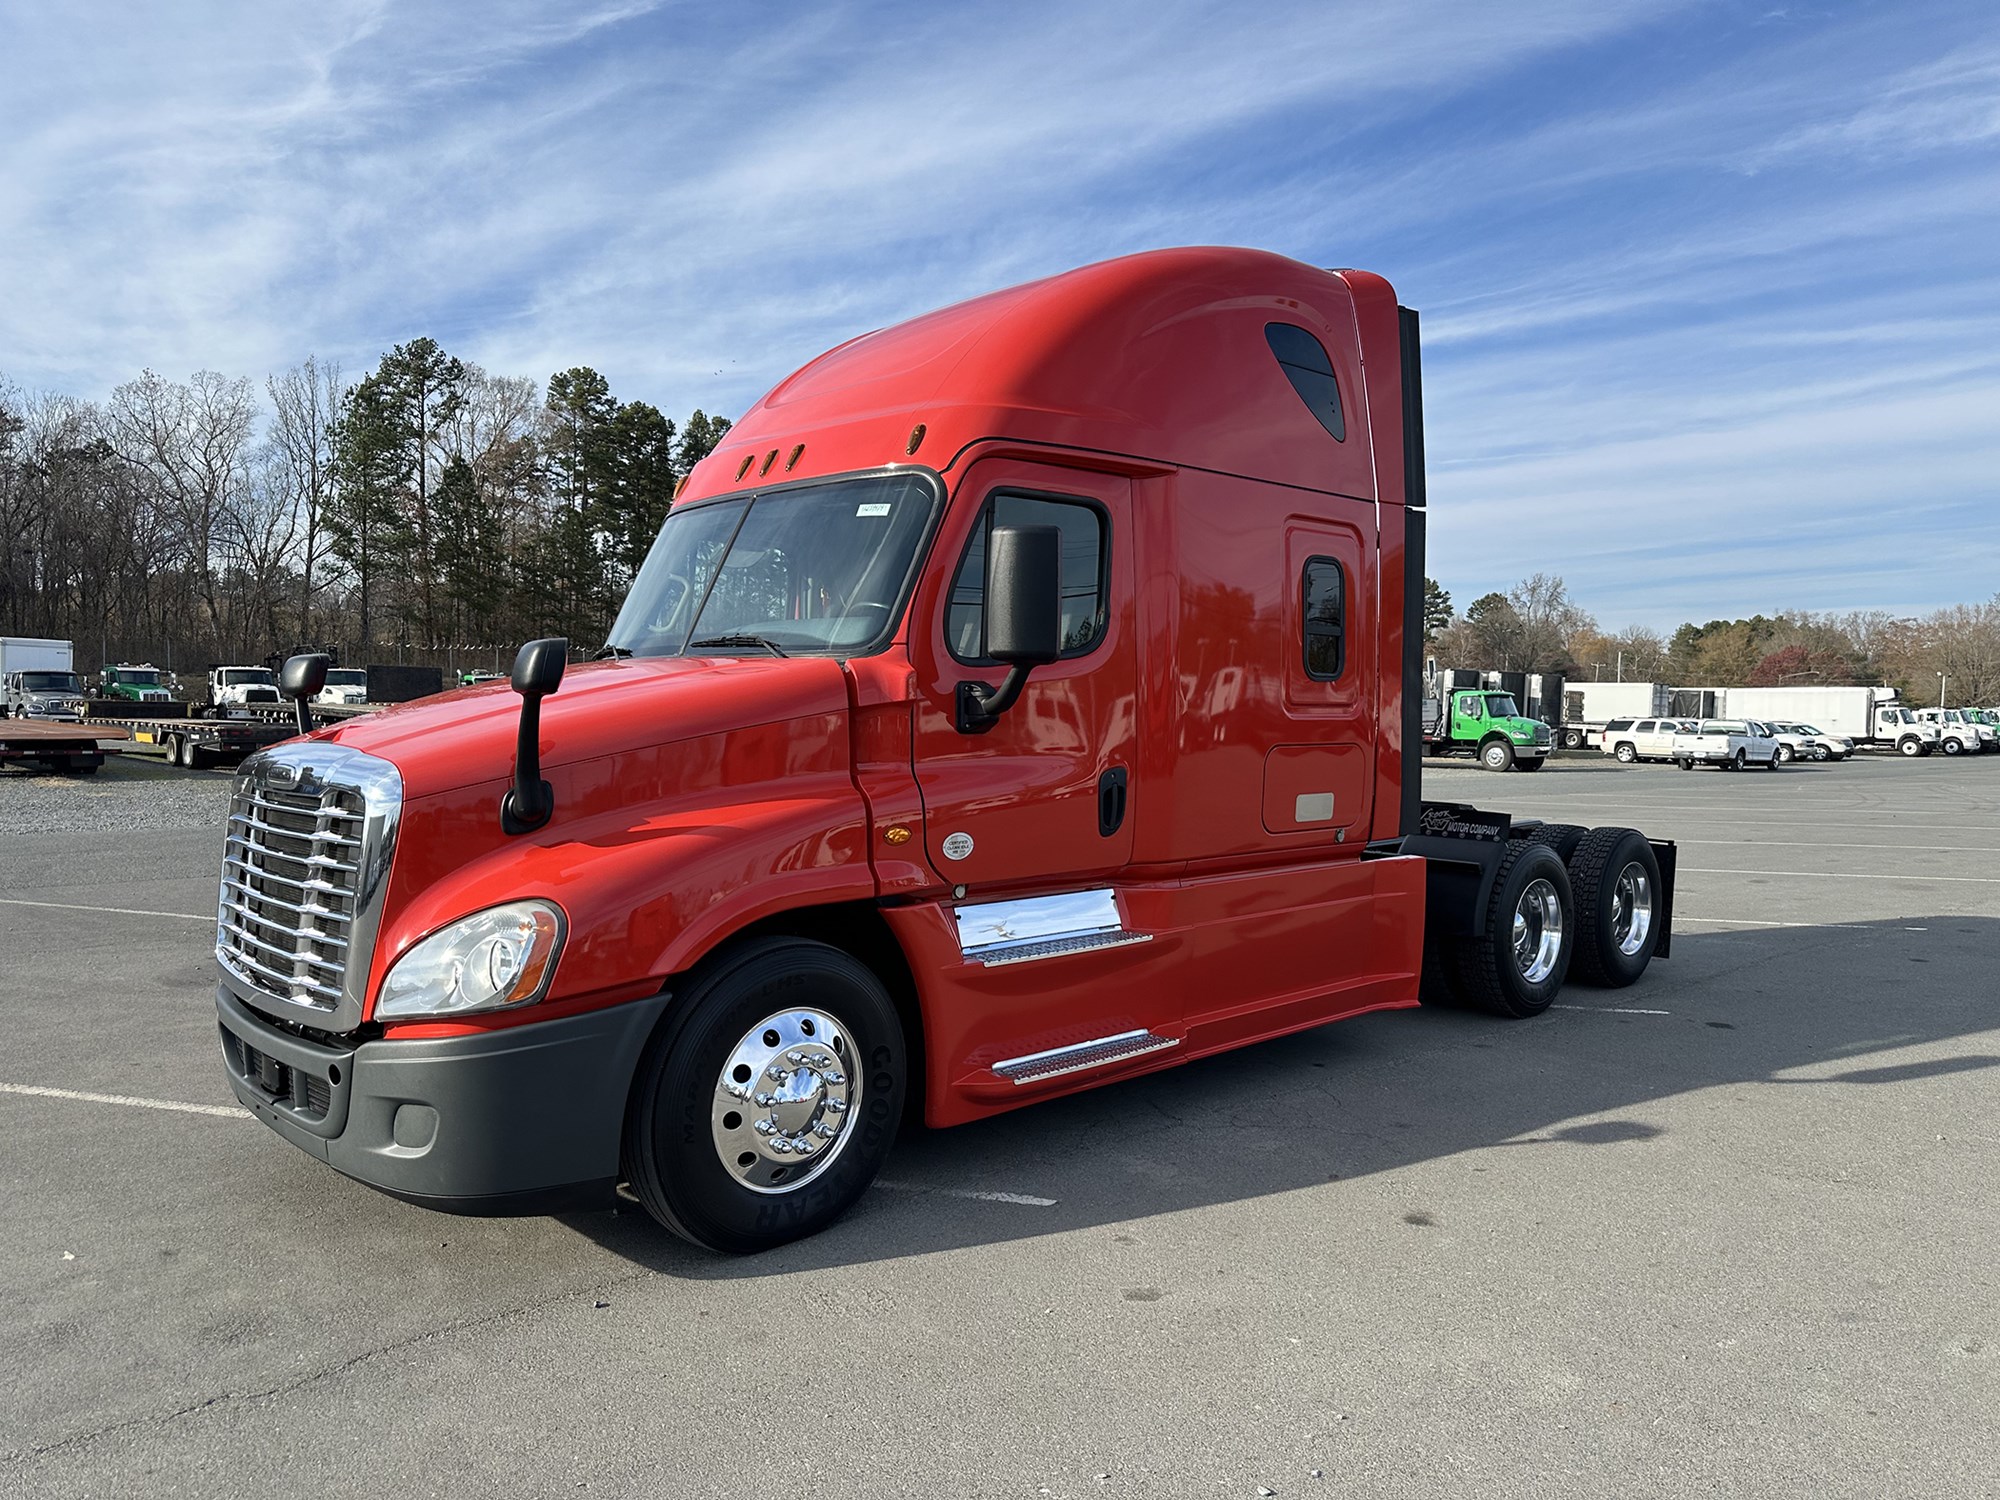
(1795, 1007)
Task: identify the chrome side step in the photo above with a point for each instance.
(1082, 942)
(1057, 1061)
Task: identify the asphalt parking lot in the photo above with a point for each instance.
(1728, 1232)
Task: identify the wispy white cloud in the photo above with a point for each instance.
(1668, 255)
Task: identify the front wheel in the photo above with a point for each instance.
(1910, 746)
(765, 1107)
(1775, 761)
(1515, 964)
(1784, 752)
(1496, 755)
(1952, 747)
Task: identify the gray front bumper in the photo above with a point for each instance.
(525, 1120)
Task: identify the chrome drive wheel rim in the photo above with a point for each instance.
(1538, 931)
(1632, 909)
(785, 1100)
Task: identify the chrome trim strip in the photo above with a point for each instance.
(986, 925)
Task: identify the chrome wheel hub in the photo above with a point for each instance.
(784, 1101)
(1632, 909)
(1538, 931)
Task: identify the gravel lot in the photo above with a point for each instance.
(1729, 1232)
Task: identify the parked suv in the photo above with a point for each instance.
(1630, 740)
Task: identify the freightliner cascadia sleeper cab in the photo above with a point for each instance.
(1021, 698)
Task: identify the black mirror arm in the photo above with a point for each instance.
(531, 800)
(980, 707)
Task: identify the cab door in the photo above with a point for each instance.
(1046, 796)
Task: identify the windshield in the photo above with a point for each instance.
(347, 677)
(818, 569)
(138, 676)
(240, 676)
(50, 682)
(1501, 706)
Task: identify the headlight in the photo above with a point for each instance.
(493, 959)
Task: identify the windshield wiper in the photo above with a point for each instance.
(611, 651)
(740, 640)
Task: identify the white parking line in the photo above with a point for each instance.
(1613, 1010)
(1026, 1200)
(113, 911)
(1753, 922)
(1843, 875)
(227, 1111)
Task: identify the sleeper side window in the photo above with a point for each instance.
(1084, 579)
(1307, 365)
(1325, 619)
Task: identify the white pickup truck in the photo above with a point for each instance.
(1728, 745)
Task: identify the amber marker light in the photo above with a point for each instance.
(792, 462)
(744, 467)
(897, 834)
(916, 438)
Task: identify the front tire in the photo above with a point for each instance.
(1951, 747)
(1496, 755)
(766, 1106)
(1785, 752)
(1515, 965)
(1619, 899)
(1910, 746)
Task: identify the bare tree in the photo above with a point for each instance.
(305, 400)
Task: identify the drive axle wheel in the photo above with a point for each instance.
(1515, 964)
(766, 1104)
(1616, 878)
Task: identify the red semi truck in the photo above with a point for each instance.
(1021, 699)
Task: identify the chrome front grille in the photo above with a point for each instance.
(311, 829)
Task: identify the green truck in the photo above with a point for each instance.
(144, 683)
(1486, 723)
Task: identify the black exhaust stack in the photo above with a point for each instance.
(1415, 501)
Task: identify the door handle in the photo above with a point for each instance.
(1110, 801)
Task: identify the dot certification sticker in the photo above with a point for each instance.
(957, 845)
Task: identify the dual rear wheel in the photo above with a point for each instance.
(1566, 903)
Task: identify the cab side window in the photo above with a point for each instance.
(1468, 707)
(1324, 618)
(1085, 575)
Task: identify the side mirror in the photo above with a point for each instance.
(538, 671)
(1023, 618)
(299, 679)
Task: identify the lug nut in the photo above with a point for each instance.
(837, 1106)
(766, 1127)
(835, 1078)
(795, 1057)
(777, 1074)
(782, 1146)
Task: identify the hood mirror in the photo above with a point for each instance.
(538, 671)
(300, 679)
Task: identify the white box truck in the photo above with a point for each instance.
(1870, 716)
(38, 679)
(1589, 706)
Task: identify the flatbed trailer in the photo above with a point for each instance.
(67, 746)
(199, 743)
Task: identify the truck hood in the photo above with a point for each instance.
(467, 736)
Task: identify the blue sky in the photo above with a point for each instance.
(1711, 291)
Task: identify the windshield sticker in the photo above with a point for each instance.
(874, 508)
